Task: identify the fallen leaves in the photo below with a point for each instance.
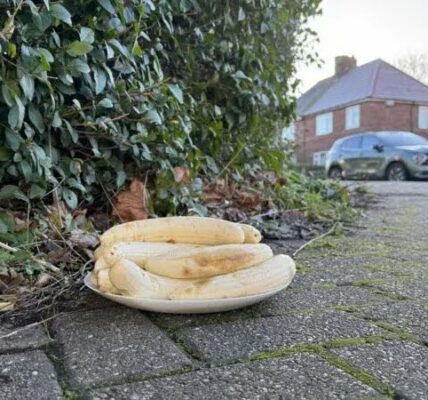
(131, 204)
(228, 200)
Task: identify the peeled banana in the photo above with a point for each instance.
(133, 281)
(251, 234)
(139, 252)
(191, 230)
(274, 273)
(204, 262)
(188, 258)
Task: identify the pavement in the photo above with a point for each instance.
(352, 325)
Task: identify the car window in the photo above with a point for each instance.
(353, 143)
(369, 141)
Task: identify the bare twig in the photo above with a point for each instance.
(13, 333)
(35, 259)
(329, 232)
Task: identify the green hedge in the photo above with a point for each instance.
(94, 93)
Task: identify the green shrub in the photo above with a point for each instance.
(94, 93)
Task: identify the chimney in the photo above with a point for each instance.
(344, 64)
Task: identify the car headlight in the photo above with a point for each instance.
(420, 158)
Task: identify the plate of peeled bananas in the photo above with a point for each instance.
(187, 265)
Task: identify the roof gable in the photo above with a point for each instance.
(377, 79)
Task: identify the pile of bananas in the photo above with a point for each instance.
(187, 258)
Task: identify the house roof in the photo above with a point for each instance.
(374, 80)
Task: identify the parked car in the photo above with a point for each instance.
(395, 156)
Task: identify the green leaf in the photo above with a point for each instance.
(70, 198)
(27, 84)
(7, 223)
(77, 48)
(199, 209)
(36, 118)
(16, 114)
(120, 178)
(153, 117)
(5, 154)
(176, 91)
(56, 121)
(106, 4)
(13, 139)
(12, 192)
(60, 12)
(136, 49)
(241, 14)
(77, 65)
(87, 35)
(36, 191)
(100, 80)
(106, 103)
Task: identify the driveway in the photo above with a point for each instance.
(353, 325)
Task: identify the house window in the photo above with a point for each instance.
(353, 117)
(319, 157)
(324, 124)
(423, 117)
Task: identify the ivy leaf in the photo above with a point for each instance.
(176, 91)
(60, 12)
(87, 35)
(70, 198)
(77, 48)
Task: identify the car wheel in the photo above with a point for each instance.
(396, 172)
(335, 173)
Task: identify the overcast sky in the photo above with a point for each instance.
(367, 29)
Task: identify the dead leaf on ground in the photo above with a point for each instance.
(84, 240)
(132, 203)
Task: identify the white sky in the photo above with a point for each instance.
(367, 29)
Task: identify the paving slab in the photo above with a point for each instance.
(296, 300)
(28, 376)
(174, 321)
(25, 338)
(336, 275)
(303, 376)
(112, 344)
(412, 289)
(241, 339)
(409, 316)
(402, 365)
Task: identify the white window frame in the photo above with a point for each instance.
(319, 158)
(324, 124)
(352, 117)
(423, 117)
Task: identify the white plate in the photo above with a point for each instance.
(183, 306)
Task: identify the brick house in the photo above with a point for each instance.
(372, 97)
